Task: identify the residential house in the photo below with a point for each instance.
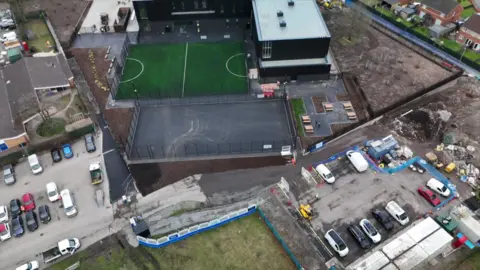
(22, 85)
(392, 4)
(469, 33)
(442, 12)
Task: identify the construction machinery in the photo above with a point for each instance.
(306, 211)
(433, 159)
(328, 4)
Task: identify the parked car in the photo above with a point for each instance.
(67, 151)
(397, 212)
(383, 218)
(44, 213)
(358, 161)
(9, 174)
(52, 192)
(3, 214)
(336, 242)
(28, 202)
(429, 196)
(358, 234)
(32, 221)
(15, 207)
(56, 156)
(33, 265)
(438, 187)
(90, 143)
(370, 230)
(17, 226)
(325, 173)
(5, 231)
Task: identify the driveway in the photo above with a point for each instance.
(90, 225)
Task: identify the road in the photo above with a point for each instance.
(415, 40)
(90, 225)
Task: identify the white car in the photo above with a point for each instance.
(438, 187)
(325, 173)
(358, 161)
(370, 230)
(336, 242)
(52, 192)
(33, 265)
(5, 231)
(3, 214)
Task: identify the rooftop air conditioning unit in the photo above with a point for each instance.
(291, 3)
(279, 13)
(283, 23)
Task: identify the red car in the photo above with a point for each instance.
(429, 196)
(28, 202)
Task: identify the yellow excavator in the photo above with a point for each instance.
(306, 211)
(328, 4)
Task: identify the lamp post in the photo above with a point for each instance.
(464, 49)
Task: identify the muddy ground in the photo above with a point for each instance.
(117, 119)
(386, 70)
(63, 14)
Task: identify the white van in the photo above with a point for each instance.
(10, 36)
(397, 212)
(438, 187)
(68, 203)
(358, 161)
(325, 173)
(34, 164)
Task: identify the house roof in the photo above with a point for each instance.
(7, 124)
(22, 100)
(391, 2)
(303, 20)
(46, 72)
(473, 23)
(444, 6)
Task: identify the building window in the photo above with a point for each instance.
(476, 47)
(468, 42)
(204, 4)
(173, 6)
(222, 9)
(195, 4)
(182, 4)
(267, 50)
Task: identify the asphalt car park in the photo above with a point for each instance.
(72, 174)
(353, 196)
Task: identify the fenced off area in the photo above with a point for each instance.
(182, 70)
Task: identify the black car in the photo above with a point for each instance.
(383, 218)
(17, 226)
(32, 221)
(90, 143)
(359, 235)
(44, 213)
(15, 207)
(56, 156)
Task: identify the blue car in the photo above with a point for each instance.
(17, 226)
(67, 151)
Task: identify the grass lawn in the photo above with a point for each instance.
(472, 262)
(299, 110)
(208, 72)
(468, 12)
(243, 244)
(159, 70)
(42, 35)
(453, 45)
(51, 127)
(465, 3)
(153, 70)
(423, 31)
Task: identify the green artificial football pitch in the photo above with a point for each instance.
(183, 70)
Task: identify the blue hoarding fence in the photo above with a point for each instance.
(193, 230)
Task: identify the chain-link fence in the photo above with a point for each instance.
(132, 129)
(174, 151)
(115, 73)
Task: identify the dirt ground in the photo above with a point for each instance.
(117, 119)
(387, 70)
(152, 176)
(64, 15)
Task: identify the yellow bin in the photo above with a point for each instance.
(450, 167)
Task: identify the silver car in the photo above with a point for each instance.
(90, 143)
(9, 174)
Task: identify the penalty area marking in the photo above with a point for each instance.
(233, 73)
(138, 75)
(184, 70)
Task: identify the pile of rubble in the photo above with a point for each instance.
(423, 124)
(463, 157)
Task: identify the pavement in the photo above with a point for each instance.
(91, 223)
(120, 180)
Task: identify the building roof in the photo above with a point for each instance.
(391, 2)
(46, 72)
(22, 100)
(7, 124)
(303, 20)
(444, 6)
(473, 23)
